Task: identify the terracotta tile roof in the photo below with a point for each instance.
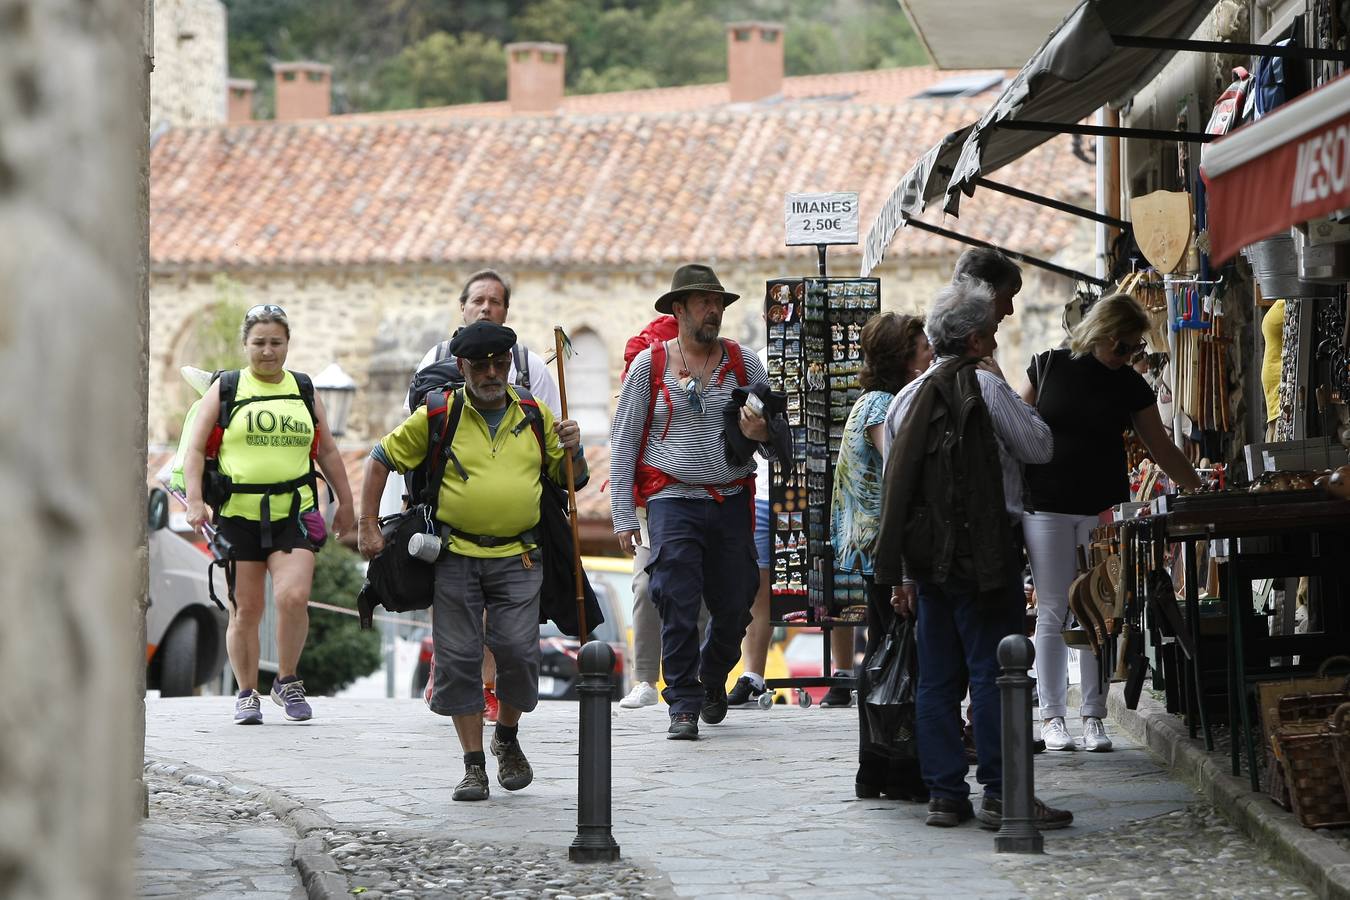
(623, 189)
(876, 86)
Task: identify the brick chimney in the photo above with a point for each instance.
(240, 103)
(534, 76)
(304, 90)
(754, 60)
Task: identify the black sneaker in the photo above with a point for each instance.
(474, 786)
(1047, 817)
(513, 769)
(714, 702)
(744, 692)
(683, 727)
(838, 695)
(944, 812)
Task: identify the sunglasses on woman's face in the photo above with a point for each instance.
(1124, 350)
(268, 310)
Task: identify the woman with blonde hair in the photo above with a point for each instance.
(1090, 395)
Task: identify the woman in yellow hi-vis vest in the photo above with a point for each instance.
(265, 429)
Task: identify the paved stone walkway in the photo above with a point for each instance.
(203, 842)
(762, 807)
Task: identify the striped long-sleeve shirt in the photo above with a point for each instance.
(692, 450)
(1023, 436)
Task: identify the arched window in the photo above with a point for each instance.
(588, 386)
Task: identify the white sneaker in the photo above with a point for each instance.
(642, 694)
(1094, 735)
(1056, 736)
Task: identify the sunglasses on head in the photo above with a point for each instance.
(265, 310)
(1125, 350)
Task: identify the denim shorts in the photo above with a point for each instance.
(762, 533)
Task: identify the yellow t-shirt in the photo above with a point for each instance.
(266, 442)
(500, 498)
(1272, 330)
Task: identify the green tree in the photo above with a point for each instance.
(444, 69)
(615, 78)
(337, 651)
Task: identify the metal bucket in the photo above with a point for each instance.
(1275, 265)
(1322, 263)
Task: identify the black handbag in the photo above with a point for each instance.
(395, 579)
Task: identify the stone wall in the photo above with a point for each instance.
(188, 83)
(72, 134)
(377, 324)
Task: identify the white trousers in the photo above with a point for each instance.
(1052, 543)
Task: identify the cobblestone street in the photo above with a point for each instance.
(761, 807)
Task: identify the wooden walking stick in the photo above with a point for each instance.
(560, 342)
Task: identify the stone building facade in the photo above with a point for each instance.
(187, 86)
(377, 323)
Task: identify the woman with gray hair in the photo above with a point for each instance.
(1090, 395)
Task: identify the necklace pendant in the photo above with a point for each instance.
(684, 373)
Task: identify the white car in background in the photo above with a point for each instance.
(184, 629)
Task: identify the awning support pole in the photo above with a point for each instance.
(1157, 43)
(1149, 134)
(1020, 257)
(1054, 204)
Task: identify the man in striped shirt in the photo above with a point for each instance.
(667, 452)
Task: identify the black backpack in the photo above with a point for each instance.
(442, 375)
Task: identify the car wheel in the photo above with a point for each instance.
(178, 659)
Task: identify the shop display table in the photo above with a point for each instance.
(1302, 533)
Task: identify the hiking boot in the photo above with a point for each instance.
(683, 727)
(745, 692)
(1047, 818)
(714, 702)
(1056, 736)
(474, 785)
(248, 708)
(513, 769)
(490, 705)
(1094, 735)
(945, 812)
(838, 695)
(289, 694)
(642, 694)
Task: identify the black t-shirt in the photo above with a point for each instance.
(1088, 407)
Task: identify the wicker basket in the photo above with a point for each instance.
(1277, 786)
(1269, 693)
(1340, 729)
(1307, 751)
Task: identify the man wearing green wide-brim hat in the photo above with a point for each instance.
(668, 454)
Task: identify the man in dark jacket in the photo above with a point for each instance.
(957, 438)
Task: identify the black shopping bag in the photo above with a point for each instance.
(890, 681)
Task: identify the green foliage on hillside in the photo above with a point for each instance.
(395, 54)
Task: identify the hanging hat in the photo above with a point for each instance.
(482, 340)
(691, 278)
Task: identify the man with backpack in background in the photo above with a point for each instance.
(490, 571)
(668, 452)
(486, 296)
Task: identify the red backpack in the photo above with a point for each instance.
(647, 480)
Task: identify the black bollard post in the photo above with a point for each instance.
(594, 841)
(1018, 832)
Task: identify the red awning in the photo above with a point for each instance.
(1290, 166)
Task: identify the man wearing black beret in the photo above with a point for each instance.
(488, 510)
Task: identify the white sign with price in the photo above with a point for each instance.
(821, 218)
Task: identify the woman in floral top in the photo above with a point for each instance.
(895, 349)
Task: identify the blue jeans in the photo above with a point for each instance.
(702, 552)
(957, 623)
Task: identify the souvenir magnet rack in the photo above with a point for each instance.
(814, 357)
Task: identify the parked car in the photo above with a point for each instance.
(184, 629)
(558, 653)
